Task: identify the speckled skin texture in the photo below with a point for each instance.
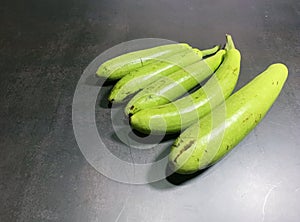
(46, 45)
(205, 142)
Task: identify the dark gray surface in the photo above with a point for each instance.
(45, 46)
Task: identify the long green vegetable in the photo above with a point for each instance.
(118, 67)
(173, 117)
(207, 141)
(169, 88)
(142, 77)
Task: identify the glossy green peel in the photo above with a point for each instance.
(118, 67)
(178, 115)
(208, 140)
(142, 77)
(171, 87)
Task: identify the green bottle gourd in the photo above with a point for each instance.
(178, 115)
(140, 78)
(119, 66)
(208, 140)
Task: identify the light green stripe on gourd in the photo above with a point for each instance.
(119, 66)
(207, 141)
(178, 115)
(140, 78)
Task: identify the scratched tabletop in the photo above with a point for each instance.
(45, 175)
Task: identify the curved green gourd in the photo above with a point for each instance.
(119, 66)
(142, 77)
(178, 115)
(171, 87)
(207, 141)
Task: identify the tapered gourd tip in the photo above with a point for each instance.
(216, 47)
(229, 42)
(211, 51)
(280, 68)
(102, 71)
(98, 72)
(279, 65)
(139, 124)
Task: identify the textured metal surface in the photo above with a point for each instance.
(45, 45)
